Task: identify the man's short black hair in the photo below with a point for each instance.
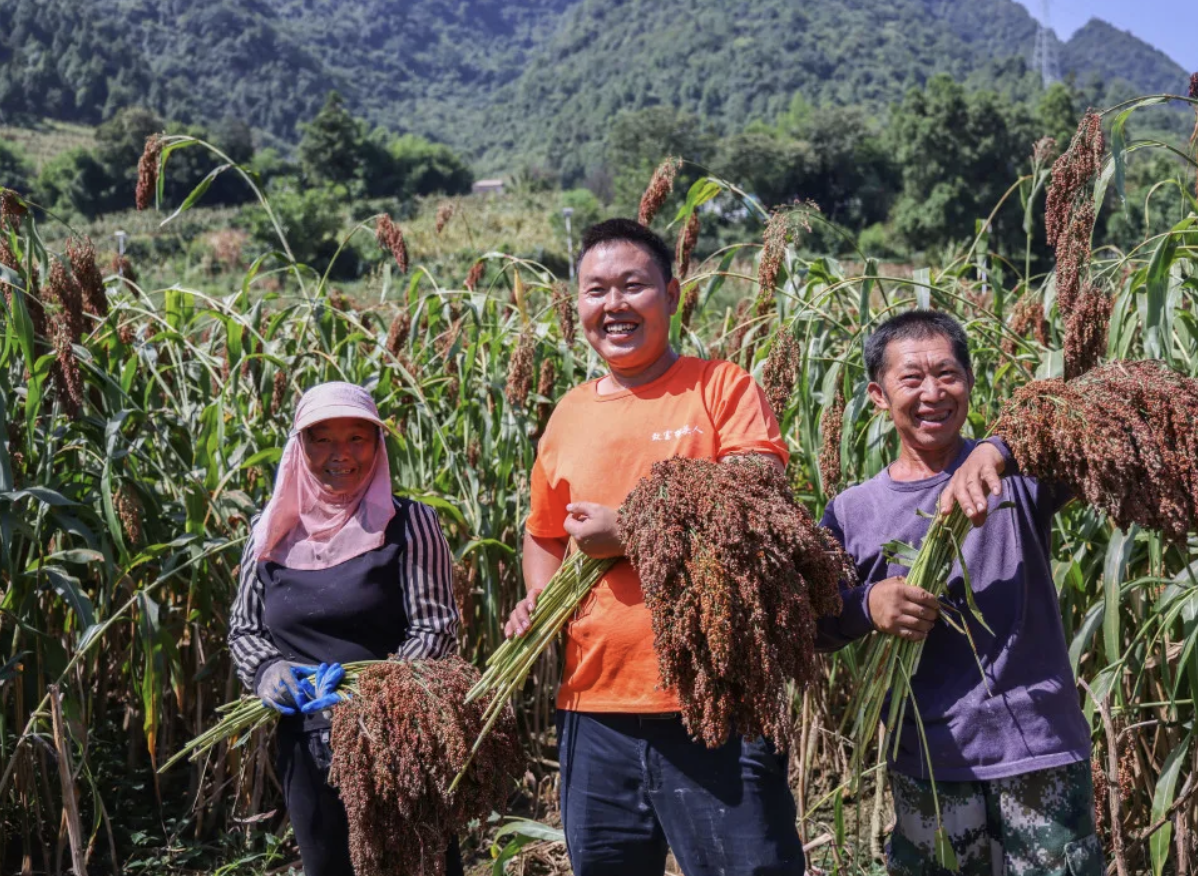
(615, 230)
(915, 325)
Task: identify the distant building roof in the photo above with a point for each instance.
(487, 185)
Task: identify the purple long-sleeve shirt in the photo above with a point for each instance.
(1031, 719)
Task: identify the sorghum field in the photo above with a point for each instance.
(141, 427)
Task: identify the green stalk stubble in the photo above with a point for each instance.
(509, 666)
(891, 663)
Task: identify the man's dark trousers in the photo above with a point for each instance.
(634, 787)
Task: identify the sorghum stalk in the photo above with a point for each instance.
(509, 666)
(245, 715)
(891, 663)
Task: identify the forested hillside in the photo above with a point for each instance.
(534, 80)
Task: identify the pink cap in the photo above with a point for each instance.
(331, 401)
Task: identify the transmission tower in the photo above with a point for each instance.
(1044, 56)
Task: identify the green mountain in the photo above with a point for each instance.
(518, 82)
(1128, 64)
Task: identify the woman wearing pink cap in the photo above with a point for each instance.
(336, 570)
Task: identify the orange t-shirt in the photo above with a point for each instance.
(595, 449)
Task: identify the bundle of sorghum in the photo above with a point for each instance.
(397, 745)
(734, 572)
(1124, 437)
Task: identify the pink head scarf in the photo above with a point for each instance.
(306, 527)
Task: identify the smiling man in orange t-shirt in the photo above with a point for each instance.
(633, 782)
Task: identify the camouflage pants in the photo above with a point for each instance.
(1038, 823)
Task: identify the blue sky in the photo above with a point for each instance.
(1169, 25)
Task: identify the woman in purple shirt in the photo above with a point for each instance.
(1010, 753)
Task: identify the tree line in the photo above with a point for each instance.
(908, 181)
(335, 150)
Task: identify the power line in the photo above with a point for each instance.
(1044, 55)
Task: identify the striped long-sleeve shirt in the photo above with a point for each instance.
(397, 599)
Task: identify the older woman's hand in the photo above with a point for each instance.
(279, 686)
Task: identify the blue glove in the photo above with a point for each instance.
(282, 686)
(328, 676)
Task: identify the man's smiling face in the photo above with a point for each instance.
(926, 389)
(625, 305)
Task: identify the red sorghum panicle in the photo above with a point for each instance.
(658, 190)
(463, 585)
(62, 289)
(7, 257)
(147, 171)
(520, 368)
(66, 369)
(1086, 330)
(124, 268)
(128, 511)
(11, 210)
(546, 378)
(397, 334)
(390, 238)
(397, 745)
(83, 265)
(1026, 321)
(1073, 172)
(734, 573)
(1101, 796)
(1123, 437)
(475, 275)
(278, 393)
(831, 425)
(776, 231)
(1127, 772)
(687, 238)
(690, 301)
(1073, 255)
(1194, 86)
(545, 383)
(781, 371)
(444, 213)
(1069, 212)
(563, 306)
